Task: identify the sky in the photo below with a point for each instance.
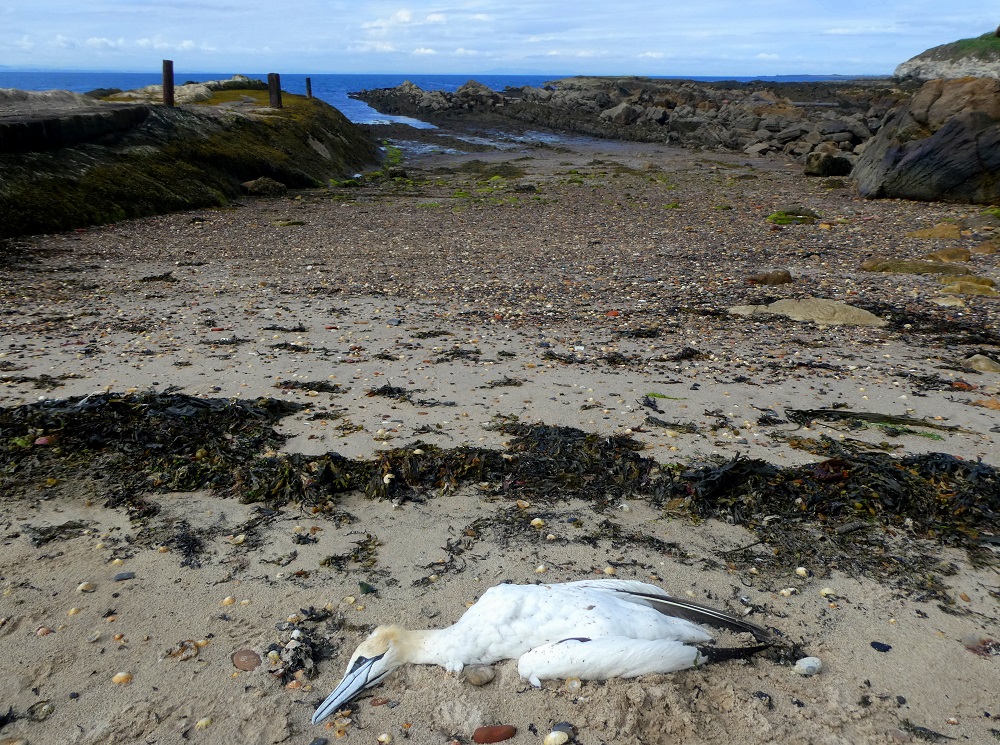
(582, 37)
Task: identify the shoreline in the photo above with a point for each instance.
(593, 273)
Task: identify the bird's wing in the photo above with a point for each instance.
(606, 657)
(656, 597)
(698, 613)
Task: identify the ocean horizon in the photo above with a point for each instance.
(335, 89)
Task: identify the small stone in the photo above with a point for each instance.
(881, 646)
(478, 675)
(982, 363)
(203, 723)
(122, 576)
(495, 733)
(777, 277)
(808, 666)
(246, 660)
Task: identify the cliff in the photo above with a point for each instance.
(67, 161)
(978, 57)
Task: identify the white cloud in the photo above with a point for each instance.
(424, 51)
(436, 18)
(400, 17)
(652, 55)
(463, 52)
(63, 42)
(482, 17)
(767, 56)
(862, 29)
(372, 46)
(95, 42)
(24, 43)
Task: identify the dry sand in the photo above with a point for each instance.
(447, 288)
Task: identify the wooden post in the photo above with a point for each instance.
(309, 88)
(274, 89)
(168, 82)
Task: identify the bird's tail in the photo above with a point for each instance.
(721, 654)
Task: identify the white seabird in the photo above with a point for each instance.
(592, 630)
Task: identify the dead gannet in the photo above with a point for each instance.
(592, 630)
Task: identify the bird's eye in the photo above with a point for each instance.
(362, 661)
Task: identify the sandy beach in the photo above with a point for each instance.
(559, 281)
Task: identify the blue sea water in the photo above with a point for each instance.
(333, 89)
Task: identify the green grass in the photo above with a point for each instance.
(985, 47)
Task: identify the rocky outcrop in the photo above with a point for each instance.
(46, 120)
(944, 144)
(835, 119)
(162, 159)
(190, 92)
(978, 58)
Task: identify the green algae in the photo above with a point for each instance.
(183, 158)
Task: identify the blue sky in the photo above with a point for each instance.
(658, 37)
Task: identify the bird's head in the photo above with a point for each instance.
(382, 652)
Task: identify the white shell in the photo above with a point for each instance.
(808, 666)
(557, 737)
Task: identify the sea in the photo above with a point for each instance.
(333, 89)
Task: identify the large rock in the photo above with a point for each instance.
(943, 145)
(166, 159)
(817, 310)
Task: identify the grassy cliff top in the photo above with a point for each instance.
(985, 47)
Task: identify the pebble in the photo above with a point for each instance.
(478, 675)
(246, 660)
(881, 646)
(494, 733)
(809, 666)
(122, 576)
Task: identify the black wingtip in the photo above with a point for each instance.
(698, 613)
(721, 654)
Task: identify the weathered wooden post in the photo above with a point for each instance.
(309, 88)
(168, 82)
(274, 89)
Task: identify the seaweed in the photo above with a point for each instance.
(318, 386)
(854, 508)
(504, 382)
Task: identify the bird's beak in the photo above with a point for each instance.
(357, 679)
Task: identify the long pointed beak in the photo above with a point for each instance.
(358, 678)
